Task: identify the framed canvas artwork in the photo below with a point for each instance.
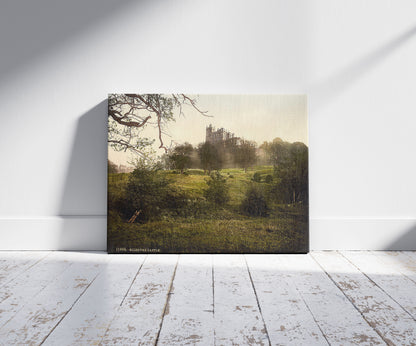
(207, 173)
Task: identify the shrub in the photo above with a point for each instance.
(217, 191)
(254, 203)
(257, 177)
(151, 193)
(268, 179)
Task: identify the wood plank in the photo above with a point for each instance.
(32, 324)
(412, 256)
(238, 320)
(14, 263)
(139, 318)
(337, 318)
(16, 293)
(391, 322)
(189, 316)
(385, 275)
(401, 261)
(287, 317)
(88, 320)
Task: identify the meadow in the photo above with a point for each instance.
(205, 229)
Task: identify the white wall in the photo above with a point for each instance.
(355, 59)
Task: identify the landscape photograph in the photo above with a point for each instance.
(207, 174)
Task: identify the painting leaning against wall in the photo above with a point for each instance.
(207, 174)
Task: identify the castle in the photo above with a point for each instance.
(220, 136)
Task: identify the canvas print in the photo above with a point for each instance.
(207, 173)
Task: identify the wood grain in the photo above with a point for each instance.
(189, 315)
(139, 318)
(340, 298)
(92, 314)
(287, 317)
(338, 319)
(387, 317)
(238, 320)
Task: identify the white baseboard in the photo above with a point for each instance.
(90, 233)
(363, 234)
(54, 233)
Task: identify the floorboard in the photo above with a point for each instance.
(32, 324)
(396, 285)
(90, 317)
(287, 317)
(386, 316)
(139, 318)
(12, 264)
(327, 297)
(403, 262)
(338, 319)
(238, 320)
(189, 315)
(15, 294)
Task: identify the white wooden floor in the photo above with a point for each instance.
(339, 298)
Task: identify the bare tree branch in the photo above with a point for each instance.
(127, 110)
(113, 113)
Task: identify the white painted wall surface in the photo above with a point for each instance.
(354, 59)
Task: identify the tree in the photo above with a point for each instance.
(278, 152)
(130, 114)
(299, 156)
(180, 157)
(217, 191)
(149, 194)
(290, 162)
(245, 154)
(209, 156)
(254, 202)
(112, 167)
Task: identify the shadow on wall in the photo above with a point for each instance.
(325, 91)
(30, 23)
(406, 242)
(86, 179)
(84, 198)
(330, 88)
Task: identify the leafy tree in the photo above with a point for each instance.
(149, 192)
(217, 191)
(112, 167)
(130, 114)
(291, 171)
(278, 152)
(180, 157)
(209, 157)
(245, 154)
(254, 202)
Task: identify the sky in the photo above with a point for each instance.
(257, 118)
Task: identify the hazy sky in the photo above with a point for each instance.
(254, 117)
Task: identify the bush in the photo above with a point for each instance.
(254, 203)
(217, 191)
(257, 177)
(268, 179)
(151, 193)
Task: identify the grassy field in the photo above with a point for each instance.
(219, 230)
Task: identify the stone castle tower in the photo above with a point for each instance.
(219, 136)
